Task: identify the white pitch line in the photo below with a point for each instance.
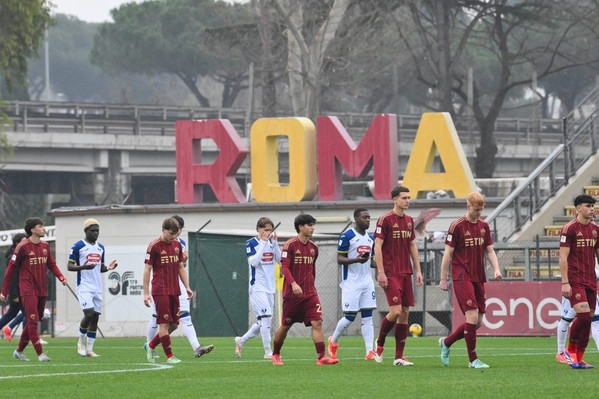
(155, 367)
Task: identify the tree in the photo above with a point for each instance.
(309, 35)
(503, 41)
(171, 37)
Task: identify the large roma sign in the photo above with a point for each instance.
(325, 158)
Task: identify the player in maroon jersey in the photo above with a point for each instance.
(393, 247)
(32, 257)
(578, 248)
(468, 239)
(300, 299)
(164, 260)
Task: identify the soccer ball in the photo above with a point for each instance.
(415, 329)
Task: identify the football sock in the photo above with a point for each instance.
(585, 331)
(251, 333)
(574, 334)
(265, 323)
(341, 327)
(368, 332)
(595, 331)
(386, 326)
(91, 338)
(152, 329)
(155, 341)
(562, 333)
(401, 333)
(34, 337)
(470, 337)
(82, 335)
(166, 345)
(319, 349)
(189, 331)
(276, 347)
(456, 335)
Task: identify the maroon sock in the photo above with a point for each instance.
(456, 335)
(470, 337)
(34, 337)
(155, 341)
(401, 333)
(585, 331)
(276, 347)
(166, 345)
(575, 329)
(24, 340)
(319, 349)
(386, 326)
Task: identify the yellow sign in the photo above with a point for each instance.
(264, 141)
(437, 133)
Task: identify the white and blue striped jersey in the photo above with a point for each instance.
(183, 295)
(262, 259)
(352, 244)
(82, 252)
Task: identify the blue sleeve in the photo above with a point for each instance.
(373, 240)
(183, 244)
(74, 255)
(343, 245)
(250, 247)
(103, 253)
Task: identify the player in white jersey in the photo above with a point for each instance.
(568, 315)
(184, 309)
(87, 259)
(263, 253)
(354, 254)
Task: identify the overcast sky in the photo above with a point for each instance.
(93, 10)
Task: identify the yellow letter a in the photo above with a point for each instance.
(436, 132)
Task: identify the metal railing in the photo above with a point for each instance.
(31, 116)
(580, 143)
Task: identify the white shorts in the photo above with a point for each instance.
(262, 303)
(89, 300)
(354, 300)
(568, 312)
(183, 303)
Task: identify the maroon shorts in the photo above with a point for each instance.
(399, 290)
(33, 306)
(581, 294)
(167, 308)
(470, 295)
(303, 309)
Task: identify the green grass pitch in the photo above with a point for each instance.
(521, 367)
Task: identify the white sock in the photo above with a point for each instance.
(251, 333)
(152, 329)
(189, 331)
(562, 333)
(368, 333)
(265, 332)
(90, 344)
(82, 338)
(341, 327)
(595, 332)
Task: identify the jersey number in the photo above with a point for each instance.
(318, 308)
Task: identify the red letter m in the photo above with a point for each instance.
(336, 149)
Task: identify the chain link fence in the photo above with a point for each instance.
(219, 274)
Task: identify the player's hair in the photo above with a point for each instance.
(31, 223)
(170, 224)
(475, 199)
(179, 220)
(16, 239)
(303, 219)
(397, 190)
(584, 199)
(358, 211)
(263, 221)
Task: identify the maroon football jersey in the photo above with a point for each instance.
(397, 233)
(164, 259)
(582, 241)
(470, 241)
(298, 264)
(33, 260)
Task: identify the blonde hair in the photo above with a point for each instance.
(475, 199)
